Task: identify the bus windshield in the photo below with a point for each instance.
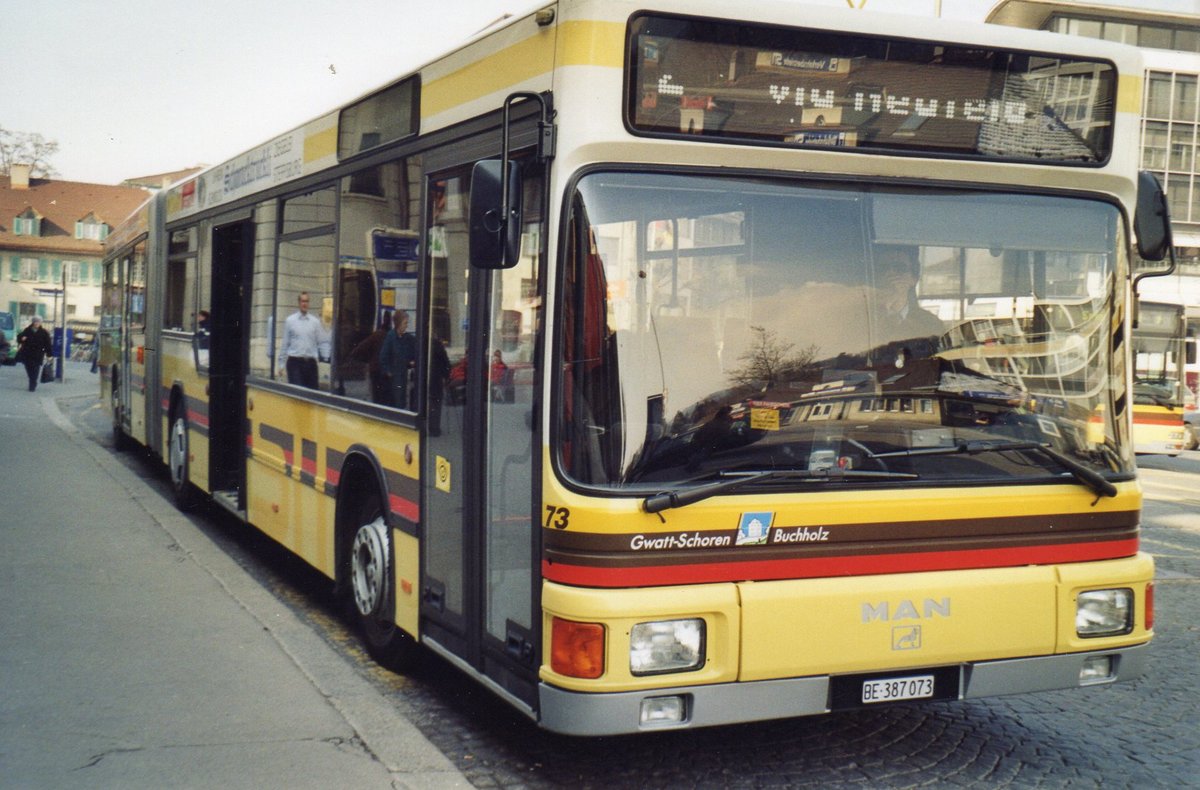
(718, 325)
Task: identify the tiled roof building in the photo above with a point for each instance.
(52, 230)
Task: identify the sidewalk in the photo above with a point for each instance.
(135, 653)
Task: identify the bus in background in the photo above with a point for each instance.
(669, 365)
(1191, 378)
(1159, 358)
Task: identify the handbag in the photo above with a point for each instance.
(48, 371)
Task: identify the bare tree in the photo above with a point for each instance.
(27, 148)
(769, 360)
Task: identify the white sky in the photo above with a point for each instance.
(137, 87)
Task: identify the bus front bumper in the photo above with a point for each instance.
(575, 713)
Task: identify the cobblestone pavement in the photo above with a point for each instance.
(1134, 735)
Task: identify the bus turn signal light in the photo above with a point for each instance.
(577, 649)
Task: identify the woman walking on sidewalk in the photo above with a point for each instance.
(34, 342)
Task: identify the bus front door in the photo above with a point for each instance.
(233, 248)
(480, 557)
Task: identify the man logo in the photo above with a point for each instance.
(906, 637)
(905, 610)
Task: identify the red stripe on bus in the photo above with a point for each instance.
(1157, 419)
(405, 508)
(765, 570)
(197, 418)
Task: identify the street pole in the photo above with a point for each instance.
(62, 349)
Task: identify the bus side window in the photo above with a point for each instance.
(180, 298)
(377, 275)
(304, 273)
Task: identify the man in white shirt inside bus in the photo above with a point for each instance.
(303, 340)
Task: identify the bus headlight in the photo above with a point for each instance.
(666, 646)
(1104, 612)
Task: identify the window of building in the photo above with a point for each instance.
(1183, 147)
(1158, 95)
(1154, 145)
(30, 269)
(1178, 194)
(71, 272)
(1155, 37)
(1121, 33)
(27, 223)
(91, 228)
(1150, 36)
(1184, 101)
(1169, 138)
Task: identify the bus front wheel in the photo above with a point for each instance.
(371, 590)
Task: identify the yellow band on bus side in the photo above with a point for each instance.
(1129, 93)
(592, 44)
(321, 144)
(579, 44)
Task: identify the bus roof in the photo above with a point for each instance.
(521, 51)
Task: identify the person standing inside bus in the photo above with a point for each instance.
(34, 342)
(303, 337)
(397, 357)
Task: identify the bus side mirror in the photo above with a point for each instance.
(495, 222)
(1151, 223)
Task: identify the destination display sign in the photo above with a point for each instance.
(789, 86)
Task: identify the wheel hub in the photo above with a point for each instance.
(368, 567)
(178, 452)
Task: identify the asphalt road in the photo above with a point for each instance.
(1135, 735)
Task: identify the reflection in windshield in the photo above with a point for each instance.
(1158, 355)
(719, 324)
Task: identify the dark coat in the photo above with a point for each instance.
(34, 343)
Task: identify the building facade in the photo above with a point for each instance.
(51, 246)
(1170, 44)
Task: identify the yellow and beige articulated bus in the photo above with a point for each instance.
(670, 364)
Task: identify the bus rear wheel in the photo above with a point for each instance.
(120, 440)
(372, 585)
(179, 464)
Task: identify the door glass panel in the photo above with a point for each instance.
(447, 397)
(515, 312)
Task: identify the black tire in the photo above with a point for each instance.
(179, 464)
(371, 584)
(120, 440)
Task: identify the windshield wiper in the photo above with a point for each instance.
(665, 500)
(1088, 477)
